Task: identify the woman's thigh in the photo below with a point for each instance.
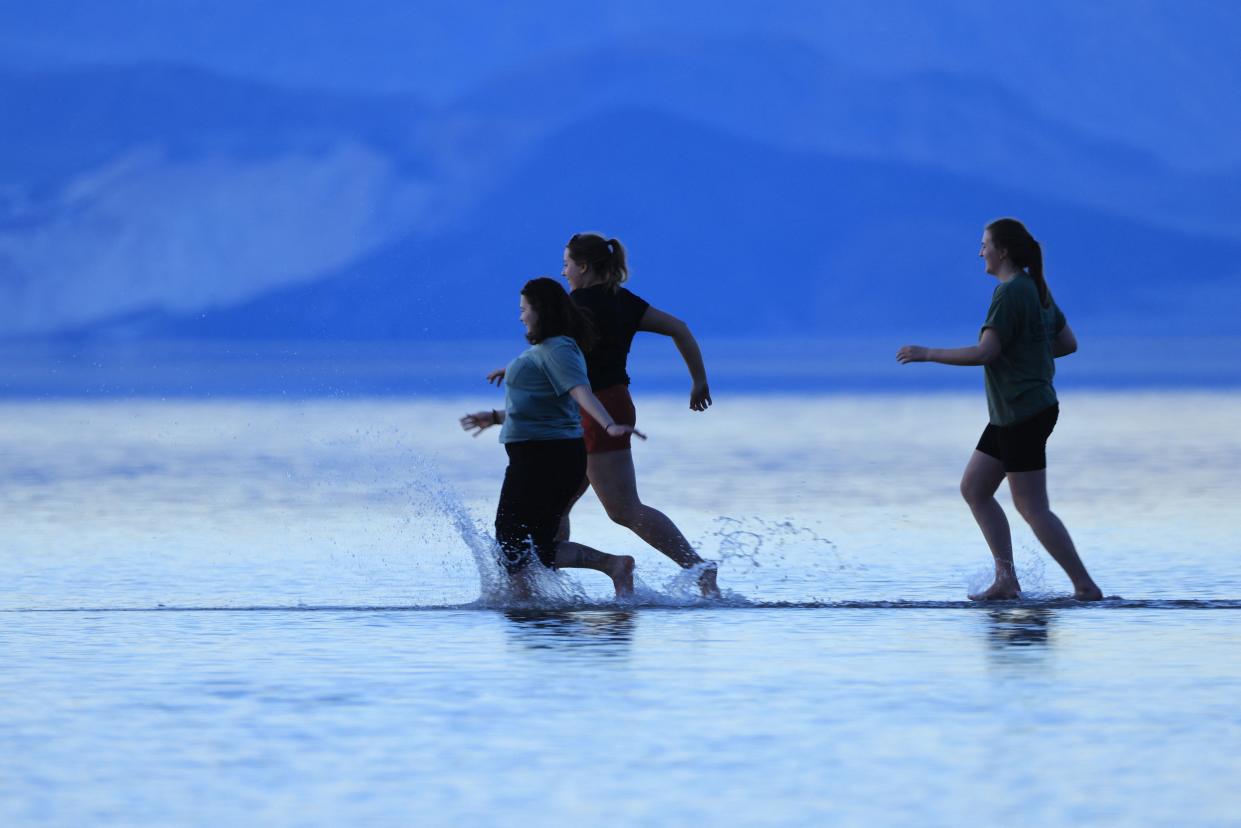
(982, 477)
(613, 478)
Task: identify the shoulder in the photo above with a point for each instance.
(592, 299)
(559, 345)
(629, 296)
(634, 306)
(1020, 288)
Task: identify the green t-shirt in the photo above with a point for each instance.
(537, 405)
(1019, 381)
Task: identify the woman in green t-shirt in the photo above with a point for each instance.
(1023, 334)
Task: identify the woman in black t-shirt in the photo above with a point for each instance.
(595, 269)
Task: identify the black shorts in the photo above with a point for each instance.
(1021, 447)
(541, 479)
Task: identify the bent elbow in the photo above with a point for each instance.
(680, 331)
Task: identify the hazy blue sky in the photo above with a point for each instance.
(332, 170)
(1163, 75)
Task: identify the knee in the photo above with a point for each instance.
(1031, 511)
(625, 514)
(972, 493)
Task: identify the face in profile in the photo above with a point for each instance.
(528, 317)
(990, 254)
(573, 273)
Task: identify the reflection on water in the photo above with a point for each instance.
(1018, 627)
(608, 631)
(842, 681)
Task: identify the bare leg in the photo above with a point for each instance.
(1030, 497)
(619, 568)
(983, 475)
(612, 476)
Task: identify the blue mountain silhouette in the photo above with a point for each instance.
(741, 239)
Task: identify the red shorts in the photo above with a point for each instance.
(619, 404)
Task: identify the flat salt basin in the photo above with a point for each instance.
(270, 613)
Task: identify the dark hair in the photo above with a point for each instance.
(557, 314)
(604, 256)
(1026, 253)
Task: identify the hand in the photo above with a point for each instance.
(911, 353)
(617, 430)
(700, 397)
(478, 422)
(496, 377)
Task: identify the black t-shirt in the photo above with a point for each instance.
(616, 316)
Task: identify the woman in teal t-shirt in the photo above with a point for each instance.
(542, 433)
(1023, 334)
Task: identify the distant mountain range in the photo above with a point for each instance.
(762, 190)
(777, 243)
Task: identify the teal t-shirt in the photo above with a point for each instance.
(1019, 381)
(537, 405)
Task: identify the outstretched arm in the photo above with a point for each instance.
(1066, 342)
(984, 353)
(656, 321)
(480, 421)
(590, 403)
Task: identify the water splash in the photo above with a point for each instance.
(1031, 569)
(537, 587)
(738, 542)
(757, 542)
(1032, 573)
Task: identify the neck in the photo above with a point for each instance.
(1006, 271)
(591, 280)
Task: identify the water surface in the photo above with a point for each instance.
(269, 613)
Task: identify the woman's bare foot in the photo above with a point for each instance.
(1088, 592)
(620, 570)
(520, 587)
(1003, 589)
(706, 580)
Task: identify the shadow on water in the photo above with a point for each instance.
(1012, 629)
(610, 632)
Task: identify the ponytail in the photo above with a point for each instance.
(1036, 271)
(1025, 252)
(606, 257)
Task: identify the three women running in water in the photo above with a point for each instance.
(1023, 334)
(555, 455)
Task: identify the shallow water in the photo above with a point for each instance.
(269, 613)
